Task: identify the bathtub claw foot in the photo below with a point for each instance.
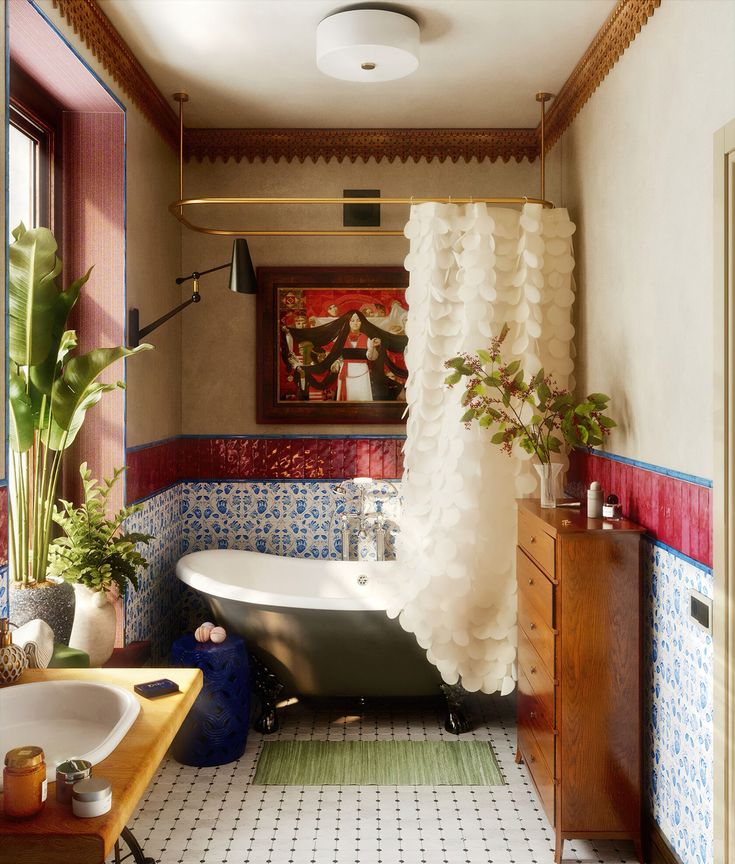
(268, 689)
(457, 721)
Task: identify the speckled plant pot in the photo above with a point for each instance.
(52, 602)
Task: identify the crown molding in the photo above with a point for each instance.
(621, 27)
(619, 30)
(364, 144)
(94, 28)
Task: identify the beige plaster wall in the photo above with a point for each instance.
(219, 335)
(152, 261)
(637, 179)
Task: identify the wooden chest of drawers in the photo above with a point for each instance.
(579, 671)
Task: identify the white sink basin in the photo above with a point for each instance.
(68, 719)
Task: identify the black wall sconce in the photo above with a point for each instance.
(242, 281)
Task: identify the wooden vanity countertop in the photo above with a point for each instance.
(56, 836)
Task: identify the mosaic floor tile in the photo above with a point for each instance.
(217, 816)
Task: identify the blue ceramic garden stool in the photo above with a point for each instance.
(216, 729)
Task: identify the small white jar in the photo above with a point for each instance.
(594, 501)
(91, 797)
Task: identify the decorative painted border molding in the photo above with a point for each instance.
(159, 466)
(675, 511)
(103, 40)
(96, 31)
(622, 26)
(354, 144)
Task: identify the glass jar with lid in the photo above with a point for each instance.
(24, 782)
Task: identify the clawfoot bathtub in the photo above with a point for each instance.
(318, 626)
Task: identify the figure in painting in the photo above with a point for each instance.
(347, 359)
(352, 367)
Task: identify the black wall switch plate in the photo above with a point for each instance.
(361, 215)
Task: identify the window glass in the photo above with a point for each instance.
(23, 180)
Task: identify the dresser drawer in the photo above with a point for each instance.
(536, 631)
(542, 780)
(536, 542)
(532, 714)
(536, 586)
(539, 681)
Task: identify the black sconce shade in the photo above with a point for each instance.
(242, 274)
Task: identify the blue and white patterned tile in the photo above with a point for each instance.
(291, 518)
(679, 690)
(4, 593)
(148, 610)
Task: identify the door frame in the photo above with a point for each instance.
(724, 492)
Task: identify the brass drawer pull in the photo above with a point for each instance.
(531, 582)
(533, 539)
(531, 625)
(532, 670)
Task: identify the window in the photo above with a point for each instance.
(34, 155)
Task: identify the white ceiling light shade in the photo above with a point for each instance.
(367, 45)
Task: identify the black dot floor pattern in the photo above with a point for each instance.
(219, 816)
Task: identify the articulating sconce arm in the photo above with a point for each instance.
(242, 281)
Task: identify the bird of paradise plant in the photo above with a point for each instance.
(49, 392)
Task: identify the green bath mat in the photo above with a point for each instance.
(378, 763)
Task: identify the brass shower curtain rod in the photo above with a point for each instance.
(176, 208)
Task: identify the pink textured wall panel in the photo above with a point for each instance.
(37, 49)
(160, 465)
(676, 511)
(94, 234)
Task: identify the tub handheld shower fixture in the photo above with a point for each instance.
(363, 513)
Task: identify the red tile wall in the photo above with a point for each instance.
(153, 468)
(674, 511)
(3, 526)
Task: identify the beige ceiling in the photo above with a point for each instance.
(250, 63)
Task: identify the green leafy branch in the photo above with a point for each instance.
(95, 551)
(536, 413)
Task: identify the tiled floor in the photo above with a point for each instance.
(215, 816)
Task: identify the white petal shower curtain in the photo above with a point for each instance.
(473, 268)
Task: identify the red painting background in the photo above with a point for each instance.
(309, 303)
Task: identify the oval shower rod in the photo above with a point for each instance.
(176, 208)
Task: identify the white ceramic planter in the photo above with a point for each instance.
(94, 624)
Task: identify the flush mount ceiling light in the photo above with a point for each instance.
(367, 45)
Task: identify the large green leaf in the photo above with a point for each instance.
(59, 438)
(33, 295)
(45, 373)
(21, 425)
(77, 389)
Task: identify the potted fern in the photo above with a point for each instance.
(50, 390)
(99, 559)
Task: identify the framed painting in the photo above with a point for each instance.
(330, 344)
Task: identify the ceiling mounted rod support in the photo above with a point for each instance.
(181, 98)
(543, 98)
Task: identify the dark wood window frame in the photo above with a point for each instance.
(38, 115)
